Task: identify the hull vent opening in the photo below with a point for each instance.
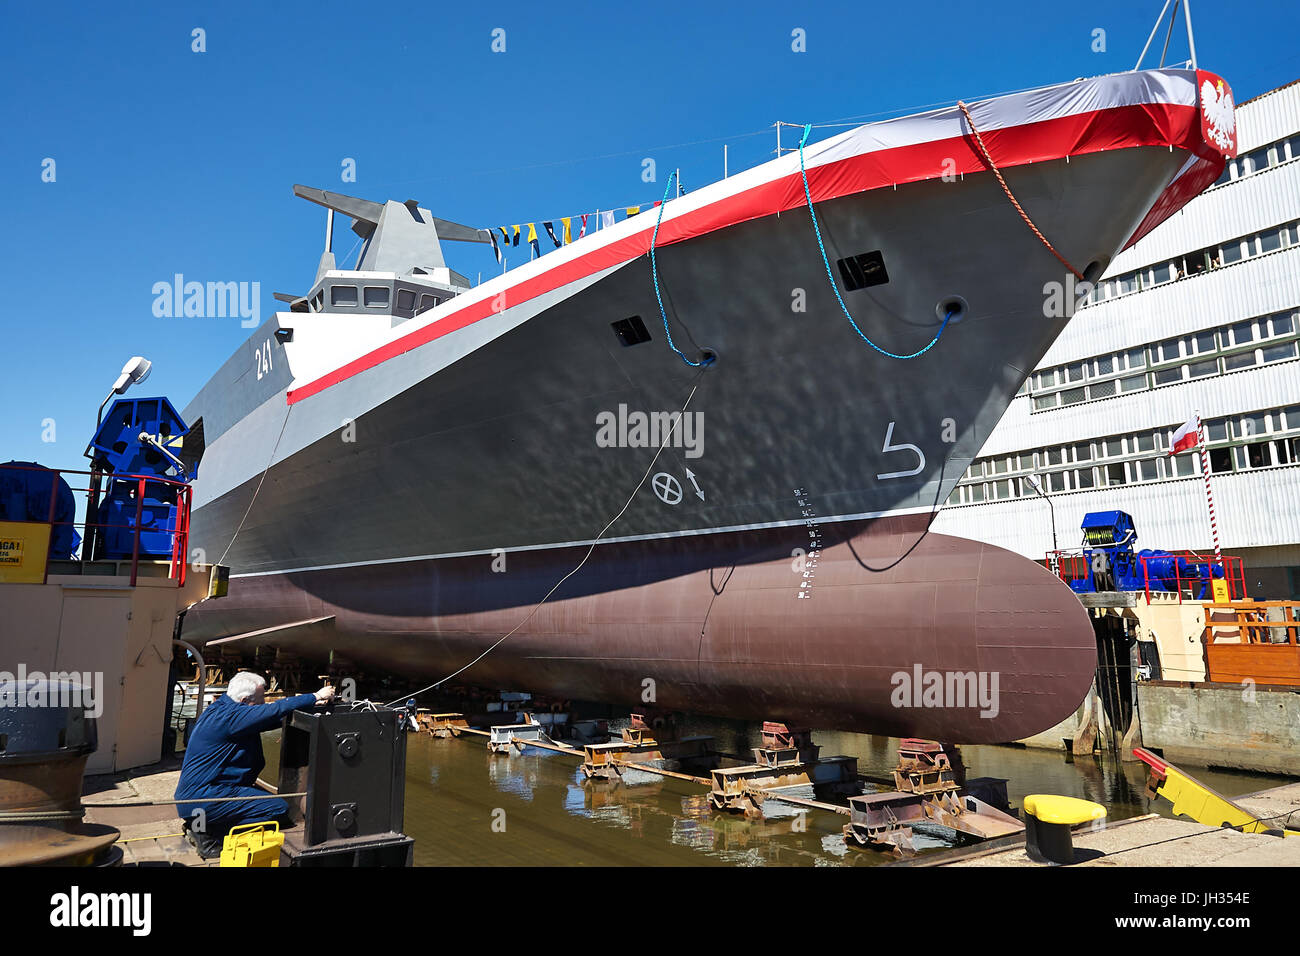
(630, 331)
(860, 271)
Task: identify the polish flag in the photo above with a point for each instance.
(1188, 436)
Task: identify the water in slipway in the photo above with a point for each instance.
(455, 789)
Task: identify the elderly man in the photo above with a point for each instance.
(224, 756)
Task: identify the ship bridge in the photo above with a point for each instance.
(400, 271)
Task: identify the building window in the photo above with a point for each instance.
(1242, 333)
(1201, 369)
(1115, 474)
(1183, 466)
(1232, 363)
(1167, 351)
(1278, 324)
(1278, 353)
(1166, 375)
(1148, 469)
(1254, 455)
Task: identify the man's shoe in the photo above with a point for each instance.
(207, 846)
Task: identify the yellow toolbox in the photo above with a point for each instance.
(252, 844)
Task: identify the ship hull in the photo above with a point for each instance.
(426, 500)
(740, 624)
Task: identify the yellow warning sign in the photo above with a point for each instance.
(1219, 587)
(24, 547)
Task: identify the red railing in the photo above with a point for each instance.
(180, 534)
(1234, 574)
(1067, 565)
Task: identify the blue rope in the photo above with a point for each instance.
(835, 287)
(654, 272)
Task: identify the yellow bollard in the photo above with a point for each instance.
(1048, 819)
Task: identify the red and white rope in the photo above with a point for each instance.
(1007, 189)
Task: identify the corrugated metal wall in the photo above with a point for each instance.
(1267, 117)
(1255, 509)
(1266, 198)
(1170, 405)
(1267, 283)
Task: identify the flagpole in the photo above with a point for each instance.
(1209, 494)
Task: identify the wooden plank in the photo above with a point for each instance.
(1262, 663)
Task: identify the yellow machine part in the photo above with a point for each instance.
(252, 844)
(24, 548)
(1195, 800)
(1071, 811)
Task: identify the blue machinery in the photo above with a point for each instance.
(1111, 563)
(142, 438)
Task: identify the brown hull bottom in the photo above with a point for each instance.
(883, 628)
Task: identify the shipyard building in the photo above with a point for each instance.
(1201, 315)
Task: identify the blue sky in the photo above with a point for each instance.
(171, 161)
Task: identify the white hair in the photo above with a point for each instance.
(244, 685)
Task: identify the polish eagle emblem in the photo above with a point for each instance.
(1220, 118)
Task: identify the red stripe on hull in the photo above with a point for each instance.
(1097, 131)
